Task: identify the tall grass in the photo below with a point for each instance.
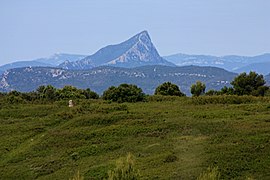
(124, 170)
(77, 176)
(210, 174)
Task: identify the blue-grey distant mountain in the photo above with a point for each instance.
(59, 58)
(238, 64)
(267, 79)
(51, 61)
(262, 68)
(136, 51)
(100, 78)
(19, 64)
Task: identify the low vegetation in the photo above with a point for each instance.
(124, 170)
(170, 137)
(210, 174)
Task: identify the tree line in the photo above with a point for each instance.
(244, 84)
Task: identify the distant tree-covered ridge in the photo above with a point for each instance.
(101, 78)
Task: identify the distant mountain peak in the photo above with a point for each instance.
(142, 36)
(136, 51)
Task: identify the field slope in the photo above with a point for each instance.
(170, 138)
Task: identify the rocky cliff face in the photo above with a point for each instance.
(136, 51)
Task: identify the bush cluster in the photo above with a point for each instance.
(124, 93)
(49, 93)
(168, 89)
(244, 84)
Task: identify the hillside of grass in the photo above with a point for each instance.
(170, 138)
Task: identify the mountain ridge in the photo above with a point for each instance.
(232, 63)
(51, 61)
(100, 78)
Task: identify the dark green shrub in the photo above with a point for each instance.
(168, 89)
(124, 93)
(267, 93)
(197, 89)
(249, 84)
(14, 99)
(50, 93)
(226, 90)
(212, 92)
(89, 94)
(69, 92)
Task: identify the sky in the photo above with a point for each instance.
(32, 29)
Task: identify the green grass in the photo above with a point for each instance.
(170, 138)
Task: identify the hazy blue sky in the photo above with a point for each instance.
(38, 28)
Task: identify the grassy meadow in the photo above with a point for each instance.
(169, 137)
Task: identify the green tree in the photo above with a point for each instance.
(124, 93)
(14, 97)
(227, 90)
(2, 94)
(70, 92)
(40, 89)
(197, 89)
(30, 96)
(46, 92)
(267, 93)
(90, 94)
(249, 84)
(212, 92)
(168, 89)
(49, 93)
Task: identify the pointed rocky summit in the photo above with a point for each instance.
(136, 51)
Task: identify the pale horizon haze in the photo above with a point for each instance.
(39, 28)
